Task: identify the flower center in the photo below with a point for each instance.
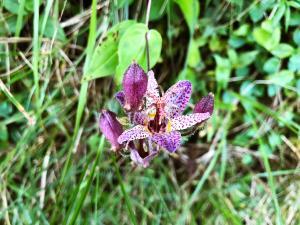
(159, 124)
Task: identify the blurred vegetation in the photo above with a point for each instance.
(61, 61)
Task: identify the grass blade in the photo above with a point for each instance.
(127, 199)
(83, 188)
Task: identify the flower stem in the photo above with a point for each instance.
(146, 35)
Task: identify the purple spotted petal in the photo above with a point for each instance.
(120, 97)
(177, 97)
(111, 128)
(152, 94)
(135, 157)
(137, 132)
(170, 141)
(184, 122)
(206, 104)
(139, 118)
(135, 86)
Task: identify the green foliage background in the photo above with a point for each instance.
(61, 63)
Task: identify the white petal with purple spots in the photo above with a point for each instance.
(184, 122)
(169, 141)
(137, 132)
(177, 97)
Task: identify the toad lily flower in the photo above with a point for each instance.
(162, 119)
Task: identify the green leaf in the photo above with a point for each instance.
(272, 65)
(193, 58)
(296, 37)
(132, 46)
(9, 25)
(223, 70)
(190, 10)
(122, 3)
(157, 10)
(53, 28)
(257, 12)
(105, 58)
(282, 50)
(282, 78)
(294, 63)
(29, 5)
(243, 30)
(267, 36)
(246, 58)
(3, 132)
(11, 5)
(279, 14)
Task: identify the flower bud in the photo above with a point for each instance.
(111, 128)
(206, 104)
(134, 86)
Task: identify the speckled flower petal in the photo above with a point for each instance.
(120, 97)
(135, 157)
(135, 83)
(206, 104)
(139, 118)
(152, 94)
(184, 122)
(177, 97)
(169, 141)
(137, 132)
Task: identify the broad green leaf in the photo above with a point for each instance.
(236, 41)
(295, 19)
(295, 4)
(29, 5)
(105, 57)
(158, 9)
(215, 44)
(11, 5)
(272, 65)
(122, 3)
(194, 57)
(267, 39)
(104, 60)
(9, 25)
(243, 30)
(282, 78)
(282, 50)
(5, 109)
(294, 63)
(132, 46)
(272, 89)
(3, 132)
(257, 12)
(53, 28)
(279, 14)
(190, 10)
(296, 37)
(223, 70)
(233, 57)
(246, 58)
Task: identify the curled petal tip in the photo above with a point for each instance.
(206, 104)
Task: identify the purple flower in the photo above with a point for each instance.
(162, 118)
(206, 104)
(134, 88)
(111, 128)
